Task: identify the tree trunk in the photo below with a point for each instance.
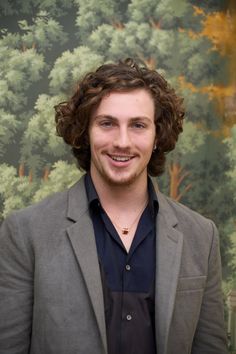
(118, 25)
(46, 174)
(30, 176)
(155, 24)
(174, 172)
(151, 63)
(21, 171)
(177, 176)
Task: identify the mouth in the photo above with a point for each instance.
(119, 158)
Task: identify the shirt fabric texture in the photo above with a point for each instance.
(128, 278)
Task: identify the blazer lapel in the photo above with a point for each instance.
(168, 260)
(82, 238)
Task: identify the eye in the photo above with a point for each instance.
(106, 123)
(139, 125)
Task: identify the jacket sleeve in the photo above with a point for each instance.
(16, 289)
(210, 336)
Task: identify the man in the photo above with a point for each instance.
(112, 266)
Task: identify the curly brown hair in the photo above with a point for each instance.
(73, 117)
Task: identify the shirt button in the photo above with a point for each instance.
(127, 267)
(129, 317)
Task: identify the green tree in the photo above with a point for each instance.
(19, 191)
(53, 43)
(91, 14)
(212, 195)
(40, 145)
(8, 128)
(162, 14)
(25, 7)
(184, 160)
(16, 192)
(231, 144)
(42, 34)
(70, 66)
(62, 176)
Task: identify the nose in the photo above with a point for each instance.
(122, 138)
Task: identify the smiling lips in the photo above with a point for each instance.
(121, 158)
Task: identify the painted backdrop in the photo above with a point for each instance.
(46, 46)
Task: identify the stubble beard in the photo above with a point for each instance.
(122, 181)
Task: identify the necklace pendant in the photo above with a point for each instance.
(125, 230)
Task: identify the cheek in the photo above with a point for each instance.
(93, 137)
(97, 141)
(148, 144)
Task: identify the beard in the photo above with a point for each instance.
(120, 179)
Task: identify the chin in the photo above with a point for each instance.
(120, 180)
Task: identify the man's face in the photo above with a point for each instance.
(122, 137)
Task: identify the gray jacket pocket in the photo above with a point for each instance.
(191, 283)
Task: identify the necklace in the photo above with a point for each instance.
(126, 230)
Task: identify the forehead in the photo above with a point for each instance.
(128, 103)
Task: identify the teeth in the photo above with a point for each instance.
(120, 158)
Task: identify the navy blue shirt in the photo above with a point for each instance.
(128, 278)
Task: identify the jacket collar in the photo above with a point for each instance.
(168, 261)
(83, 243)
(77, 200)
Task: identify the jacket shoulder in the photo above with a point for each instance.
(53, 206)
(48, 206)
(50, 214)
(185, 211)
(187, 220)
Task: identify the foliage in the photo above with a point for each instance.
(46, 46)
(63, 175)
(42, 34)
(231, 143)
(18, 192)
(39, 142)
(71, 66)
(163, 14)
(15, 191)
(12, 7)
(8, 127)
(18, 71)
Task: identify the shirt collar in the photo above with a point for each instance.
(153, 201)
(93, 199)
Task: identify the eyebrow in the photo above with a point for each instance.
(132, 119)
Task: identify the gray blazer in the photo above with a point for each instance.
(51, 299)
